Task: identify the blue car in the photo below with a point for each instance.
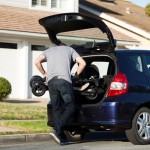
(113, 91)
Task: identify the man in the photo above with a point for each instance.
(59, 59)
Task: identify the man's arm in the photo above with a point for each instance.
(38, 64)
(81, 65)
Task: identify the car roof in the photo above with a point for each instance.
(135, 51)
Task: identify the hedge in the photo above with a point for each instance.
(5, 88)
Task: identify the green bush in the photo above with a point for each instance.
(147, 10)
(5, 88)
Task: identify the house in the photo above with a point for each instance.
(122, 16)
(22, 39)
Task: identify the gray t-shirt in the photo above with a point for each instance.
(59, 59)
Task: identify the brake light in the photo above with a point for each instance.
(118, 86)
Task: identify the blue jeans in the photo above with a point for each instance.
(62, 100)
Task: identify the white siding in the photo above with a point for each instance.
(9, 64)
(16, 3)
(76, 5)
(63, 5)
(69, 5)
(66, 6)
(17, 66)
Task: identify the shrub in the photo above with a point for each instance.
(5, 88)
(147, 10)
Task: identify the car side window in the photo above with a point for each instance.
(147, 60)
(100, 66)
(136, 62)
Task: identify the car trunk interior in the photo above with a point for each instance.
(93, 82)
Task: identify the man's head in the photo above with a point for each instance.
(59, 43)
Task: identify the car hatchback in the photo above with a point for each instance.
(113, 91)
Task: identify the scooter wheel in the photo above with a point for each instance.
(34, 80)
(39, 90)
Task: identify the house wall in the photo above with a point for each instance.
(17, 65)
(9, 64)
(15, 3)
(67, 6)
(72, 5)
(63, 5)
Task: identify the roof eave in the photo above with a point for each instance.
(45, 36)
(118, 22)
(23, 34)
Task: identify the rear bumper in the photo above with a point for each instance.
(112, 115)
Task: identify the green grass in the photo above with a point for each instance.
(26, 127)
(28, 119)
(10, 111)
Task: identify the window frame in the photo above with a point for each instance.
(47, 7)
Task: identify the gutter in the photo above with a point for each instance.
(117, 22)
(45, 36)
(24, 34)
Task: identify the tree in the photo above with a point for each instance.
(147, 10)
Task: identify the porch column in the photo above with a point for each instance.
(24, 47)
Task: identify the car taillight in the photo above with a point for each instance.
(118, 86)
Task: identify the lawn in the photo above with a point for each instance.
(9, 111)
(26, 118)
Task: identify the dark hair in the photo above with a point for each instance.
(57, 42)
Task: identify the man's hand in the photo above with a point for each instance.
(45, 75)
(81, 65)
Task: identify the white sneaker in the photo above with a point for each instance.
(53, 134)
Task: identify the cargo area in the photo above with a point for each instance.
(93, 82)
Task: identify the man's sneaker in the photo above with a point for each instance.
(61, 141)
(53, 134)
(64, 142)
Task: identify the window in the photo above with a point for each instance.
(147, 59)
(34, 2)
(136, 63)
(47, 5)
(38, 47)
(102, 67)
(98, 68)
(43, 2)
(53, 3)
(8, 45)
(39, 3)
